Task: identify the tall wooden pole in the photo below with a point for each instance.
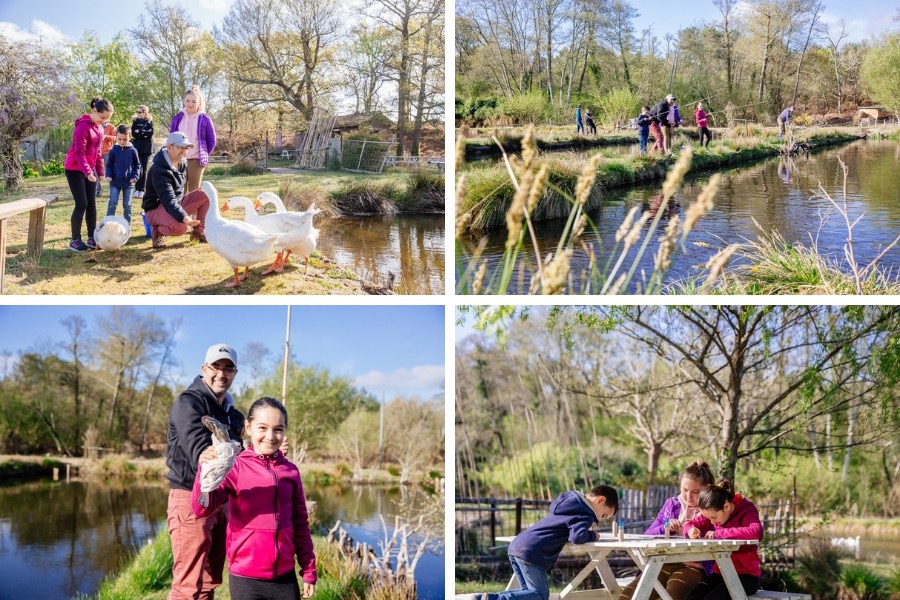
(287, 354)
(381, 433)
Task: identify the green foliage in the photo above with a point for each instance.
(29, 171)
(863, 583)
(881, 71)
(111, 71)
(317, 401)
(618, 106)
(435, 474)
(393, 470)
(893, 582)
(53, 167)
(819, 567)
(476, 111)
(524, 109)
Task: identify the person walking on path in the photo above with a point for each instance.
(590, 122)
(579, 124)
(84, 167)
(167, 207)
(784, 120)
(702, 122)
(199, 129)
(123, 168)
(198, 543)
(142, 138)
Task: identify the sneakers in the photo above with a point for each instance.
(78, 246)
(159, 240)
(138, 195)
(91, 243)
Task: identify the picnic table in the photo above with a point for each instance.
(649, 553)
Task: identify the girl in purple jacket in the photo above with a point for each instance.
(84, 167)
(198, 127)
(268, 524)
(679, 578)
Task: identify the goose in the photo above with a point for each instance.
(307, 245)
(111, 234)
(240, 244)
(292, 228)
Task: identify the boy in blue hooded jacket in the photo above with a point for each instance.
(534, 551)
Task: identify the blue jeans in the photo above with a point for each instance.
(533, 579)
(643, 138)
(114, 201)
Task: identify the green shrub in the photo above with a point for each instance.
(393, 470)
(861, 583)
(53, 167)
(245, 167)
(819, 567)
(524, 109)
(618, 106)
(435, 474)
(28, 170)
(893, 582)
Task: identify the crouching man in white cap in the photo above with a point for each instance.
(198, 544)
(165, 203)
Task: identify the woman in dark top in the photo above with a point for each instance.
(142, 139)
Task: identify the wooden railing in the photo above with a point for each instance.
(37, 209)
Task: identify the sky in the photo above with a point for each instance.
(389, 350)
(64, 19)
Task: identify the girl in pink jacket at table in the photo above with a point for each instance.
(727, 516)
(268, 524)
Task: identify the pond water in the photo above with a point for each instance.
(779, 196)
(410, 246)
(59, 539)
(876, 548)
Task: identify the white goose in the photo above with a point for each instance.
(240, 244)
(111, 234)
(304, 247)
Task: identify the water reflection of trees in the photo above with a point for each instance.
(89, 529)
(410, 246)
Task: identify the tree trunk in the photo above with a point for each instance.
(829, 451)
(811, 432)
(812, 25)
(851, 422)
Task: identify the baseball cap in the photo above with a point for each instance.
(670, 97)
(179, 139)
(220, 351)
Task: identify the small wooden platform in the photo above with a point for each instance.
(37, 209)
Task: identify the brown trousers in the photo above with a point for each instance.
(198, 549)
(192, 203)
(194, 174)
(677, 578)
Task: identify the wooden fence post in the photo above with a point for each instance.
(518, 515)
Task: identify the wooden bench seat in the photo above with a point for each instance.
(623, 581)
(764, 595)
(37, 209)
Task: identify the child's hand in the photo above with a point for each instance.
(675, 526)
(108, 179)
(694, 533)
(133, 181)
(711, 535)
(309, 589)
(208, 455)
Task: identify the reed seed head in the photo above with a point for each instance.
(663, 258)
(478, 283)
(623, 229)
(529, 148)
(556, 272)
(702, 205)
(676, 174)
(586, 179)
(537, 189)
(717, 263)
(516, 212)
(460, 151)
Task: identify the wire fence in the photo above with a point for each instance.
(366, 156)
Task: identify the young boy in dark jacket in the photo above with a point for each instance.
(123, 169)
(534, 551)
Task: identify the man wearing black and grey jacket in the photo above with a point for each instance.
(167, 207)
(660, 116)
(198, 544)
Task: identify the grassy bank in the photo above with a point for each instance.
(489, 192)
(193, 268)
(29, 468)
(149, 576)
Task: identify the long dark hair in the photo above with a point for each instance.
(699, 470)
(266, 401)
(714, 497)
(101, 105)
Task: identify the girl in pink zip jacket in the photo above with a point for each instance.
(727, 516)
(267, 519)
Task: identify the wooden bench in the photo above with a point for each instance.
(37, 207)
(624, 581)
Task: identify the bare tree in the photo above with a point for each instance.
(834, 42)
(727, 26)
(413, 432)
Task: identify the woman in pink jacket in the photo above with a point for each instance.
(727, 516)
(267, 519)
(84, 168)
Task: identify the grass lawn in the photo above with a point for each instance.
(183, 267)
